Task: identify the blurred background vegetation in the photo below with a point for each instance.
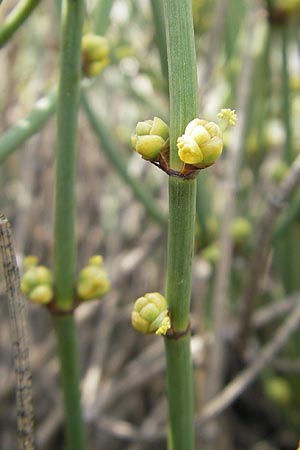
(247, 247)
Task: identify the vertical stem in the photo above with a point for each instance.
(65, 216)
(101, 16)
(182, 70)
(160, 35)
(286, 96)
(182, 203)
(66, 152)
(64, 326)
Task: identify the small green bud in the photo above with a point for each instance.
(42, 294)
(34, 276)
(95, 54)
(36, 282)
(93, 280)
(241, 230)
(150, 314)
(150, 138)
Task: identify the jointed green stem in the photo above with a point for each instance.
(182, 70)
(109, 147)
(182, 204)
(70, 378)
(15, 136)
(181, 400)
(65, 215)
(182, 199)
(66, 152)
(16, 18)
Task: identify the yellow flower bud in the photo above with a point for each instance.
(150, 138)
(34, 276)
(150, 314)
(202, 142)
(95, 54)
(201, 145)
(42, 294)
(93, 280)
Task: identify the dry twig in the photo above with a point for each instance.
(19, 336)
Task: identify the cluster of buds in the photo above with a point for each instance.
(150, 314)
(93, 281)
(95, 54)
(202, 142)
(199, 147)
(151, 138)
(37, 281)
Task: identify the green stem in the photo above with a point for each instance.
(111, 151)
(181, 403)
(65, 216)
(65, 329)
(160, 35)
(101, 16)
(182, 71)
(287, 245)
(16, 18)
(182, 205)
(286, 97)
(15, 136)
(66, 153)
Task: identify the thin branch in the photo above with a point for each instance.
(19, 336)
(260, 255)
(274, 311)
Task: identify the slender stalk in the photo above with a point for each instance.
(65, 216)
(182, 205)
(66, 152)
(287, 246)
(101, 16)
(16, 18)
(65, 330)
(17, 135)
(110, 149)
(286, 97)
(180, 394)
(160, 35)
